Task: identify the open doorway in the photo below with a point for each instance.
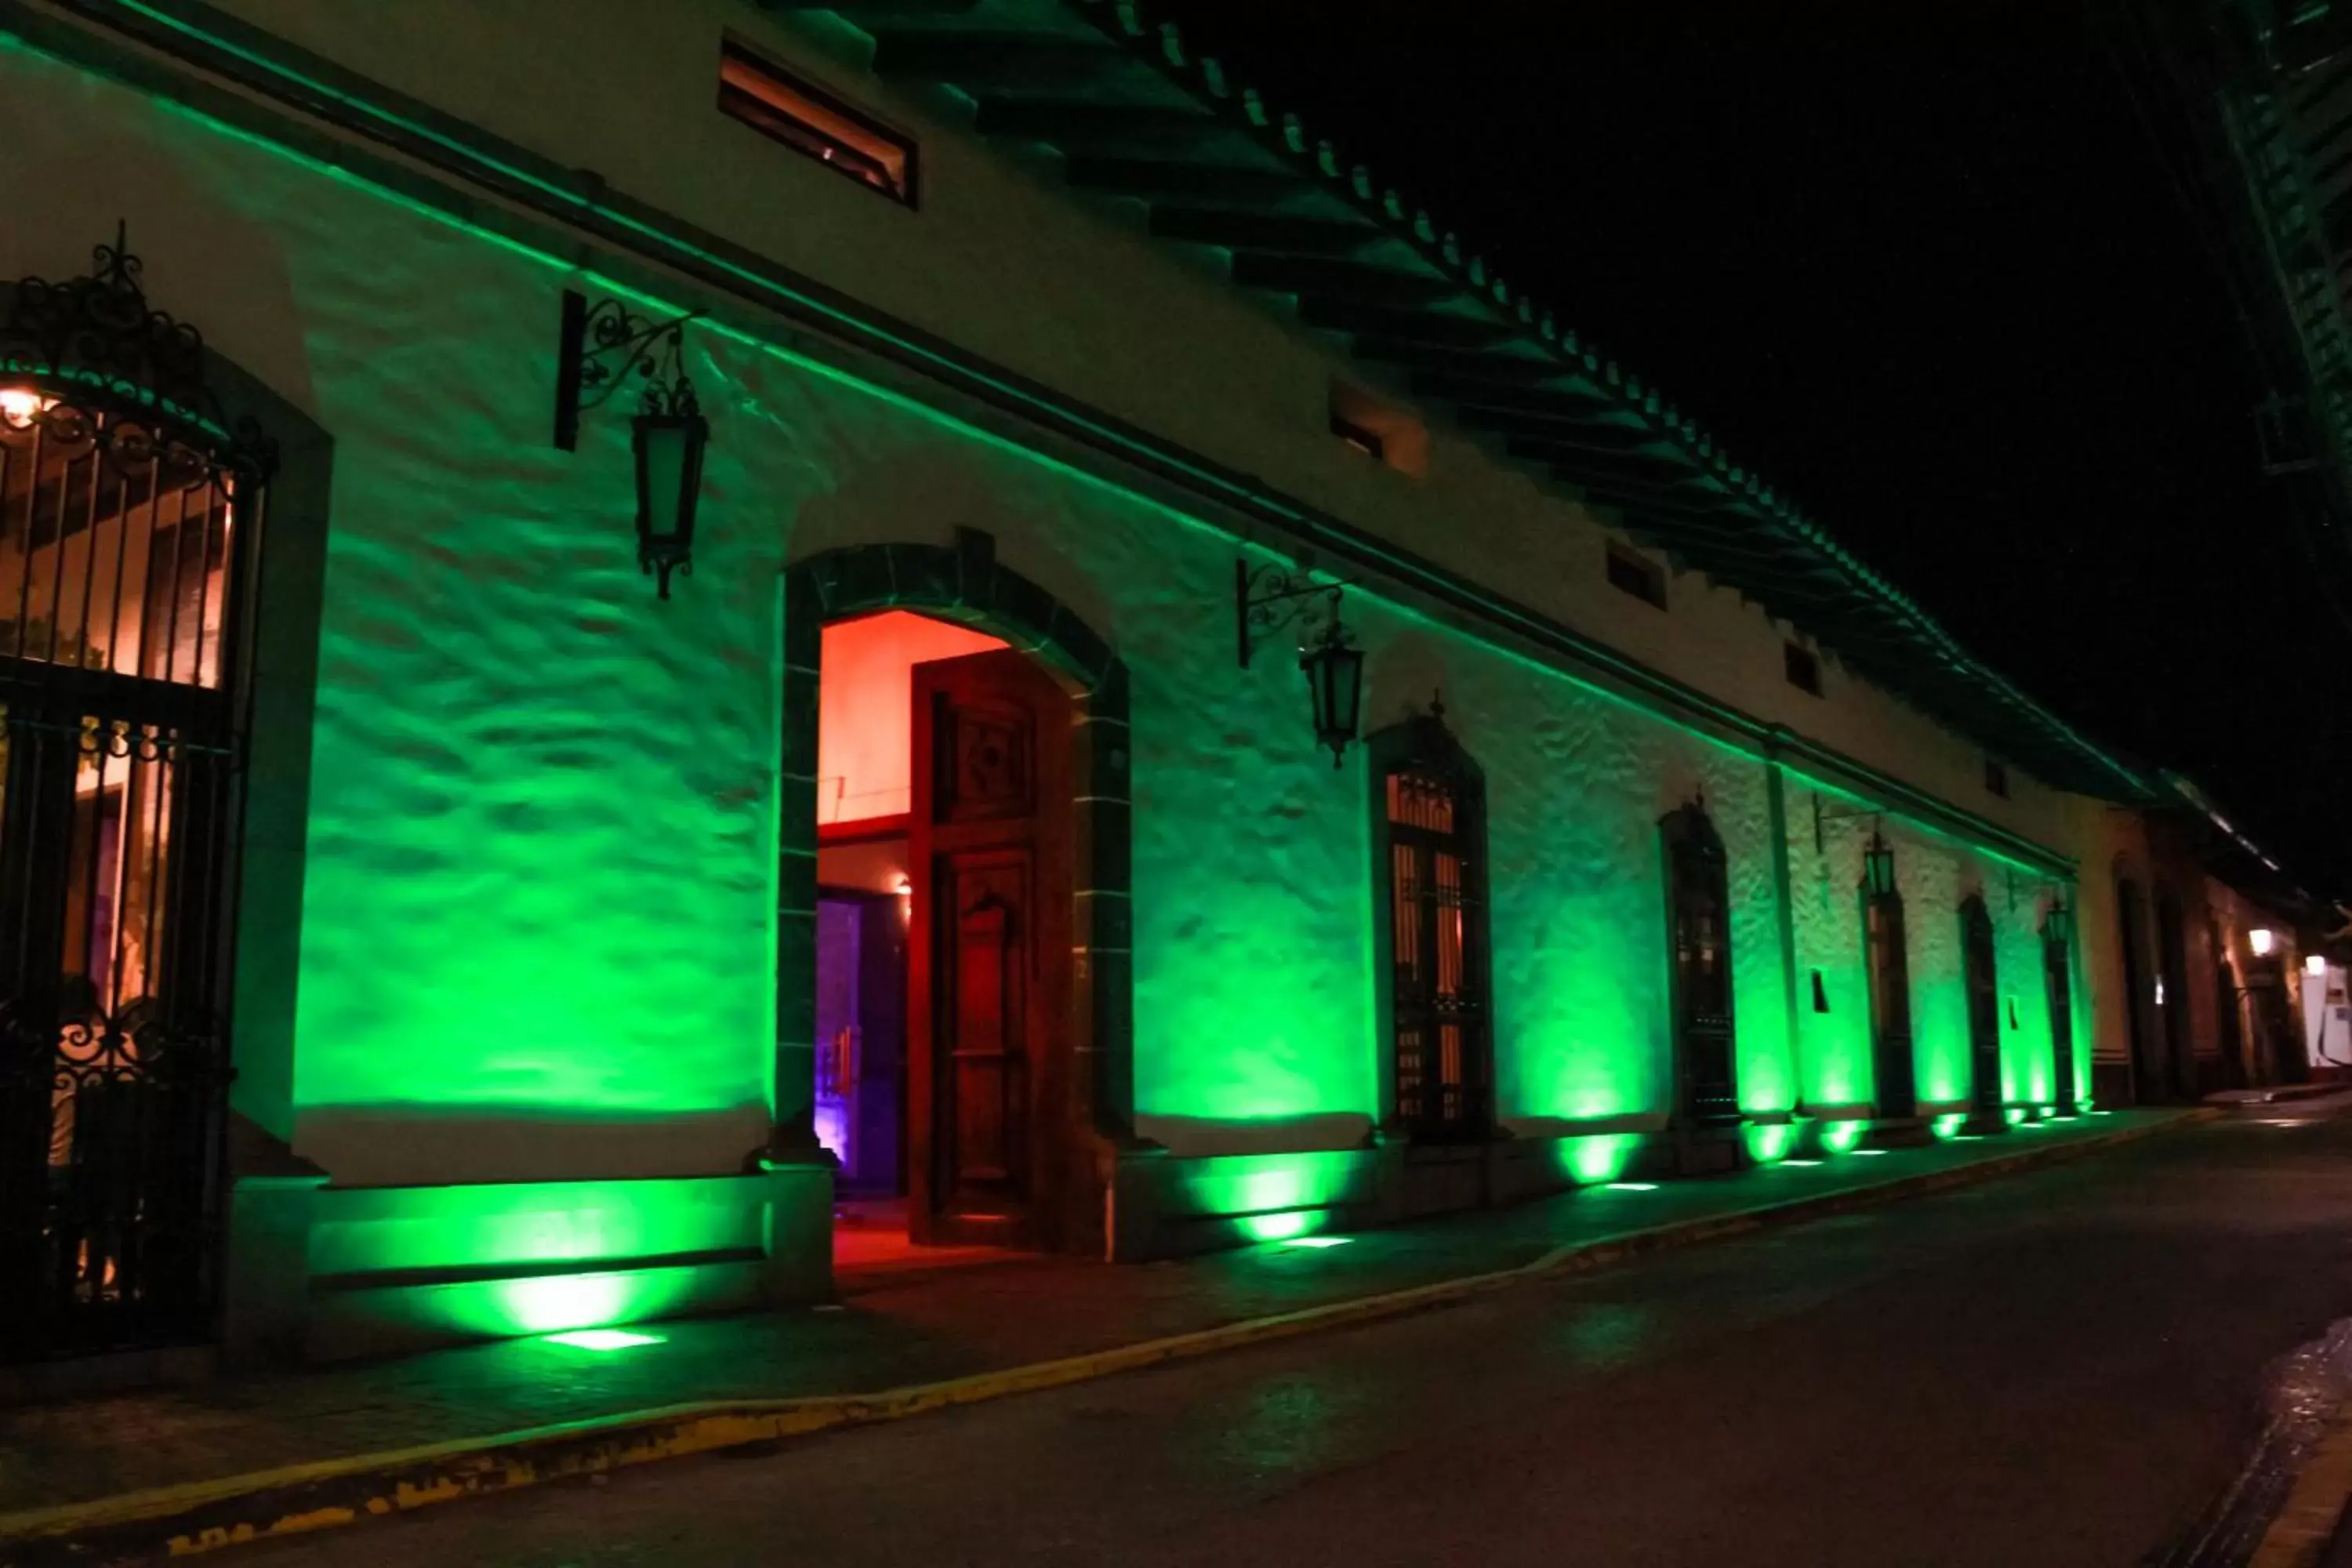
(942, 935)
(865, 913)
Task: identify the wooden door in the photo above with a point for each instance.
(1890, 1008)
(2058, 979)
(989, 842)
(1982, 980)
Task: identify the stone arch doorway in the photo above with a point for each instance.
(1019, 1032)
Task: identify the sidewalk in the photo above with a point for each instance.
(977, 1320)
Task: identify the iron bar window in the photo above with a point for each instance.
(1433, 838)
(115, 575)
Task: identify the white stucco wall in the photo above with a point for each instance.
(538, 928)
(1008, 262)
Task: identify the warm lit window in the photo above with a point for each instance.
(1432, 827)
(1361, 438)
(1381, 431)
(1804, 667)
(812, 121)
(1633, 572)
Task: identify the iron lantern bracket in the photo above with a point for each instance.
(602, 348)
(1823, 819)
(1271, 597)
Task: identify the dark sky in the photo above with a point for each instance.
(1922, 265)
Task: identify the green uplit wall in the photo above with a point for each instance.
(1934, 874)
(404, 1265)
(538, 935)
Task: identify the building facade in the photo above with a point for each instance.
(536, 950)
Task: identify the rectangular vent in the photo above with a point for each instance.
(1804, 667)
(1633, 572)
(811, 120)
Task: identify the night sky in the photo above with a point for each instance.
(1923, 266)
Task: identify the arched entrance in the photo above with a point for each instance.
(1699, 933)
(1886, 957)
(2148, 1074)
(128, 509)
(1017, 1033)
(2058, 991)
(1980, 974)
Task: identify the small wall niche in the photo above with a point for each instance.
(1381, 431)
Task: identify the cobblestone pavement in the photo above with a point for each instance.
(891, 1330)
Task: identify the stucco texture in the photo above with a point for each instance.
(539, 921)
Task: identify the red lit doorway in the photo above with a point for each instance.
(942, 934)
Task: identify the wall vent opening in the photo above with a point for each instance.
(811, 120)
(1381, 431)
(1633, 572)
(1804, 667)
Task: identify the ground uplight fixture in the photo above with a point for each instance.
(1271, 597)
(602, 348)
(603, 1339)
(2261, 939)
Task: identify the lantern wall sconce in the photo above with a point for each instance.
(1270, 598)
(603, 348)
(1822, 819)
(2261, 939)
(1878, 867)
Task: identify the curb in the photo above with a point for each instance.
(2316, 1505)
(205, 1516)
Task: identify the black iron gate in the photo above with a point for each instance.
(124, 505)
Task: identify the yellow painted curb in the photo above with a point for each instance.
(2315, 1505)
(205, 1516)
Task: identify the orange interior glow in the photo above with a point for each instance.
(865, 709)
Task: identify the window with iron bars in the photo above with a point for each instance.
(1439, 1011)
(116, 564)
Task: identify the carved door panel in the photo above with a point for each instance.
(989, 945)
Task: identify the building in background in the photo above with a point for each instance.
(712, 637)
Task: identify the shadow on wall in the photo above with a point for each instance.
(952, 488)
(433, 1145)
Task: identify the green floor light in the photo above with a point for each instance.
(604, 1340)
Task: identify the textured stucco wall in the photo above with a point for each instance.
(1934, 874)
(538, 919)
(1007, 262)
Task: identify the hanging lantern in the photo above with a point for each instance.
(1335, 686)
(1270, 597)
(602, 348)
(669, 444)
(1878, 868)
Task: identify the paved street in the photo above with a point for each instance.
(2065, 1368)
